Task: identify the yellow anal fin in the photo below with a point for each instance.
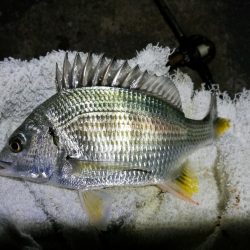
(184, 186)
(97, 205)
(221, 126)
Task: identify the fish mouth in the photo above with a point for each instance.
(5, 168)
(4, 164)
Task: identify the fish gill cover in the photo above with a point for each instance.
(223, 172)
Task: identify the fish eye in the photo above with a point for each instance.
(16, 143)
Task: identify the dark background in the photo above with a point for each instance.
(31, 28)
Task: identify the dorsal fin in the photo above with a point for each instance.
(75, 74)
(108, 72)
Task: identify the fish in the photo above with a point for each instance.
(110, 125)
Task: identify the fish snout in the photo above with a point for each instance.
(5, 164)
(6, 168)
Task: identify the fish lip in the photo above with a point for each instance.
(5, 169)
(4, 164)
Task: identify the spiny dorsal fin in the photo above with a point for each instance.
(66, 83)
(108, 72)
(86, 72)
(58, 79)
(98, 72)
(75, 74)
(120, 74)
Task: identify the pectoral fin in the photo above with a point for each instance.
(82, 166)
(184, 186)
(97, 205)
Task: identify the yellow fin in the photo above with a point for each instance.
(184, 186)
(221, 126)
(97, 205)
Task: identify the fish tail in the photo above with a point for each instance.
(220, 125)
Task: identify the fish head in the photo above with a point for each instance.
(30, 152)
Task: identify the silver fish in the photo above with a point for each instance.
(109, 125)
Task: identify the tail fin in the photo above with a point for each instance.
(221, 125)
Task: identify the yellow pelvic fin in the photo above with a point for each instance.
(221, 126)
(97, 205)
(184, 186)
